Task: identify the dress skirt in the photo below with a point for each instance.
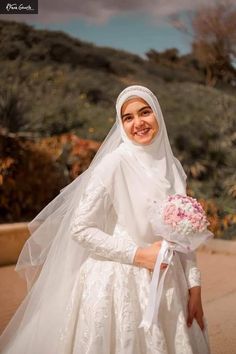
(111, 300)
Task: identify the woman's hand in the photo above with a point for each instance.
(195, 309)
(146, 257)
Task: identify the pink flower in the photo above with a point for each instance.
(184, 213)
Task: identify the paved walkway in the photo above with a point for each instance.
(218, 292)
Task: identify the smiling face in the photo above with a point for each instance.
(139, 121)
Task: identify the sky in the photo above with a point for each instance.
(132, 25)
(133, 33)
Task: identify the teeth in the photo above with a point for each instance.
(143, 131)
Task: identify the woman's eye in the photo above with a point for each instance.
(146, 112)
(127, 118)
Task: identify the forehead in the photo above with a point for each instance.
(132, 103)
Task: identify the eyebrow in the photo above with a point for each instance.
(128, 114)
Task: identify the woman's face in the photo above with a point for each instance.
(139, 121)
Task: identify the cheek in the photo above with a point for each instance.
(153, 122)
(156, 126)
(127, 128)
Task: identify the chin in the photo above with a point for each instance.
(143, 140)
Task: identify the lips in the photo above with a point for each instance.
(142, 132)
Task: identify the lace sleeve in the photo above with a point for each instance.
(192, 272)
(93, 223)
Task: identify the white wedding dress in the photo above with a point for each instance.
(111, 293)
(89, 297)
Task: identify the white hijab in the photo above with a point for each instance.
(140, 173)
(157, 158)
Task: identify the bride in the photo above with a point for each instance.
(91, 254)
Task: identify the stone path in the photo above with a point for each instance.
(218, 291)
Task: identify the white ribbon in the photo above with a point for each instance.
(156, 286)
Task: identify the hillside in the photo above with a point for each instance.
(51, 84)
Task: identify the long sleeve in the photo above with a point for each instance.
(93, 224)
(192, 272)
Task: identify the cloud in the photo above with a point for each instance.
(100, 11)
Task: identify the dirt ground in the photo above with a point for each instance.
(218, 272)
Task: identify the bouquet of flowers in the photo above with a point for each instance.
(182, 224)
(180, 219)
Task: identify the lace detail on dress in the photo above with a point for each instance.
(88, 203)
(194, 277)
(92, 223)
(192, 272)
(113, 299)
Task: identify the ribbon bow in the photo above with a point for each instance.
(156, 286)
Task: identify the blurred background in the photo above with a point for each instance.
(61, 71)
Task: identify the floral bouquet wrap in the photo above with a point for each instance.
(180, 219)
(181, 223)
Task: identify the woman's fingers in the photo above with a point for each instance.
(200, 321)
(189, 320)
(191, 314)
(195, 313)
(163, 265)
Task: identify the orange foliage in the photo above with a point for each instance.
(32, 172)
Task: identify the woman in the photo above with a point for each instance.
(96, 251)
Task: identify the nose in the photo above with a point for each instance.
(138, 122)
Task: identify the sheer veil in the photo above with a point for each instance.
(53, 258)
(49, 228)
